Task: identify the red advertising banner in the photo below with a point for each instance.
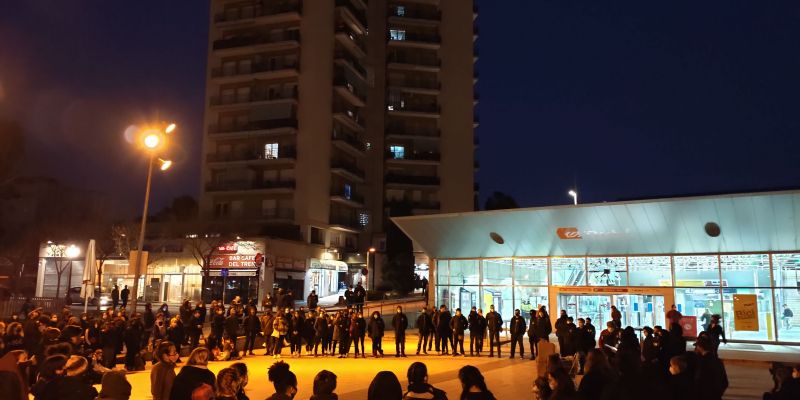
(689, 326)
(228, 248)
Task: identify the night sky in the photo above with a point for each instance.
(637, 100)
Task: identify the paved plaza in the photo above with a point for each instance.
(508, 379)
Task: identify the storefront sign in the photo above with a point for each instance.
(745, 312)
(233, 261)
(228, 248)
(568, 233)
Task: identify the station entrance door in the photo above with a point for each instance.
(639, 307)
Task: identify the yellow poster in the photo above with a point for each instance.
(745, 312)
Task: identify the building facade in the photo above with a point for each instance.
(705, 255)
(321, 114)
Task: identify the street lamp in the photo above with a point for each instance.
(574, 195)
(370, 252)
(152, 139)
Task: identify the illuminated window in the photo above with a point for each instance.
(398, 152)
(401, 11)
(363, 218)
(270, 151)
(397, 34)
(348, 191)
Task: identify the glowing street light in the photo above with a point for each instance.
(164, 164)
(370, 252)
(170, 128)
(151, 141)
(574, 195)
(72, 251)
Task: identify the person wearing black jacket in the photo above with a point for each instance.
(133, 343)
(321, 334)
(444, 328)
(532, 338)
(359, 295)
(376, 329)
(516, 328)
(148, 321)
(561, 333)
(176, 334)
(194, 329)
(434, 330)
(312, 300)
(711, 379)
(399, 323)
(424, 327)
(358, 329)
(472, 319)
(494, 321)
(457, 325)
(343, 327)
(252, 327)
(480, 333)
(217, 329)
(232, 332)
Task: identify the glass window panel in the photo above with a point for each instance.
(607, 271)
(501, 297)
(568, 271)
(649, 271)
(442, 272)
(496, 272)
(765, 331)
(745, 270)
(786, 269)
(695, 302)
(787, 301)
(463, 272)
(530, 271)
(463, 297)
(696, 271)
(529, 298)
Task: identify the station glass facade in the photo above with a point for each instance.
(642, 287)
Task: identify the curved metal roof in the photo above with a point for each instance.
(754, 222)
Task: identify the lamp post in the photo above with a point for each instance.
(574, 195)
(152, 139)
(370, 252)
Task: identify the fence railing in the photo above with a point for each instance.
(14, 304)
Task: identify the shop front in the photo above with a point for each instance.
(323, 276)
(639, 307)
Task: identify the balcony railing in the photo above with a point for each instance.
(352, 115)
(353, 196)
(347, 221)
(254, 69)
(234, 99)
(400, 129)
(356, 38)
(351, 61)
(284, 153)
(349, 167)
(432, 15)
(419, 37)
(410, 107)
(251, 40)
(349, 138)
(248, 185)
(352, 88)
(265, 214)
(400, 58)
(417, 84)
(357, 12)
(254, 125)
(235, 14)
(420, 205)
(422, 156)
(412, 180)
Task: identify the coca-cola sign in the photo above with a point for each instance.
(568, 233)
(228, 248)
(233, 261)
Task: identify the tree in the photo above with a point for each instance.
(399, 272)
(500, 201)
(182, 209)
(12, 148)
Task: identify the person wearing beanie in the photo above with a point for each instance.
(115, 386)
(50, 372)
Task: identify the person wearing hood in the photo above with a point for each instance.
(115, 386)
(73, 385)
(418, 386)
(324, 386)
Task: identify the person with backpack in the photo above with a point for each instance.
(418, 386)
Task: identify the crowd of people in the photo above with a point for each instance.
(47, 353)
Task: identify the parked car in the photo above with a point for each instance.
(75, 295)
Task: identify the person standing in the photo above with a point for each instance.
(312, 300)
(711, 379)
(561, 332)
(267, 303)
(252, 327)
(163, 373)
(115, 297)
(295, 333)
(494, 321)
(716, 333)
(217, 329)
(435, 330)
(266, 329)
(532, 338)
(787, 317)
(124, 296)
(445, 335)
(616, 316)
(705, 319)
(399, 323)
(358, 329)
(321, 334)
(591, 333)
(424, 328)
(194, 374)
(424, 284)
(195, 329)
(344, 334)
(472, 321)
(457, 325)
(279, 330)
(359, 295)
(673, 316)
(232, 332)
(376, 329)
(516, 328)
(480, 333)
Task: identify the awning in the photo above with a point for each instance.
(756, 222)
(335, 265)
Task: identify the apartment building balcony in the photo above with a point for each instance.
(353, 42)
(234, 101)
(415, 205)
(399, 131)
(353, 15)
(349, 91)
(418, 86)
(346, 223)
(413, 110)
(351, 199)
(418, 40)
(421, 158)
(411, 180)
(265, 127)
(259, 15)
(348, 170)
(349, 117)
(270, 215)
(284, 186)
(286, 155)
(413, 63)
(411, 16)
(349, 142)
(253, 43)
(346, 60)
(258, 71)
